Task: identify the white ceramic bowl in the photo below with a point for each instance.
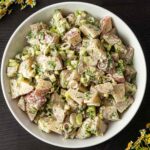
(17, 42)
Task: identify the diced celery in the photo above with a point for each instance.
(91, 111)
(56, 72)
(74, 63)
(52, 78)
(20, 78)
(37, 52)
(25, 57)
(12, 63)
(83, 51)
(79, 119)
(37, 77)
(67, 95)
(66, 107)
(84, 81)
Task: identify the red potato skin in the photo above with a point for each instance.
(118, 78)
(36, 98)
(106, 24)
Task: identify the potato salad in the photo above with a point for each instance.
(75, 75)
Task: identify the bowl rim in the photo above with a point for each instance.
(2, 75)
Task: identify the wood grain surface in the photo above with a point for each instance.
(137, 15)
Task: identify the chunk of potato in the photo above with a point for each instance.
(118, 77)
(43, 85)
(22, 104)
(111, 39)
(52, 38)
(36, 98)
(76, 96)
(130, 88)
(92, 99)
(106, 24)
(129, 55)
(12, 71)
(34, 101)
(25, 68)
(119, 92)
(31, 111)
(38, 26)
(123, 105)
(102, 127)
(130, 73)
(96, 50)
(98, 126)
(60, 22)
(48, 63)
(19, 88)
(90, 30)
(54, 63)
(91, 126)
(82, 132)
(73, 36)
(48, 124)
(110, 113)
(105, 88)
(71, 18)
(64, 78)
(59, 113)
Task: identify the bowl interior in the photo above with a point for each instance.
(17, 42)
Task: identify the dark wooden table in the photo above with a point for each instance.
(137, 15)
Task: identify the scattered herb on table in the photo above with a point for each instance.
(6, 4)
(142, 142)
